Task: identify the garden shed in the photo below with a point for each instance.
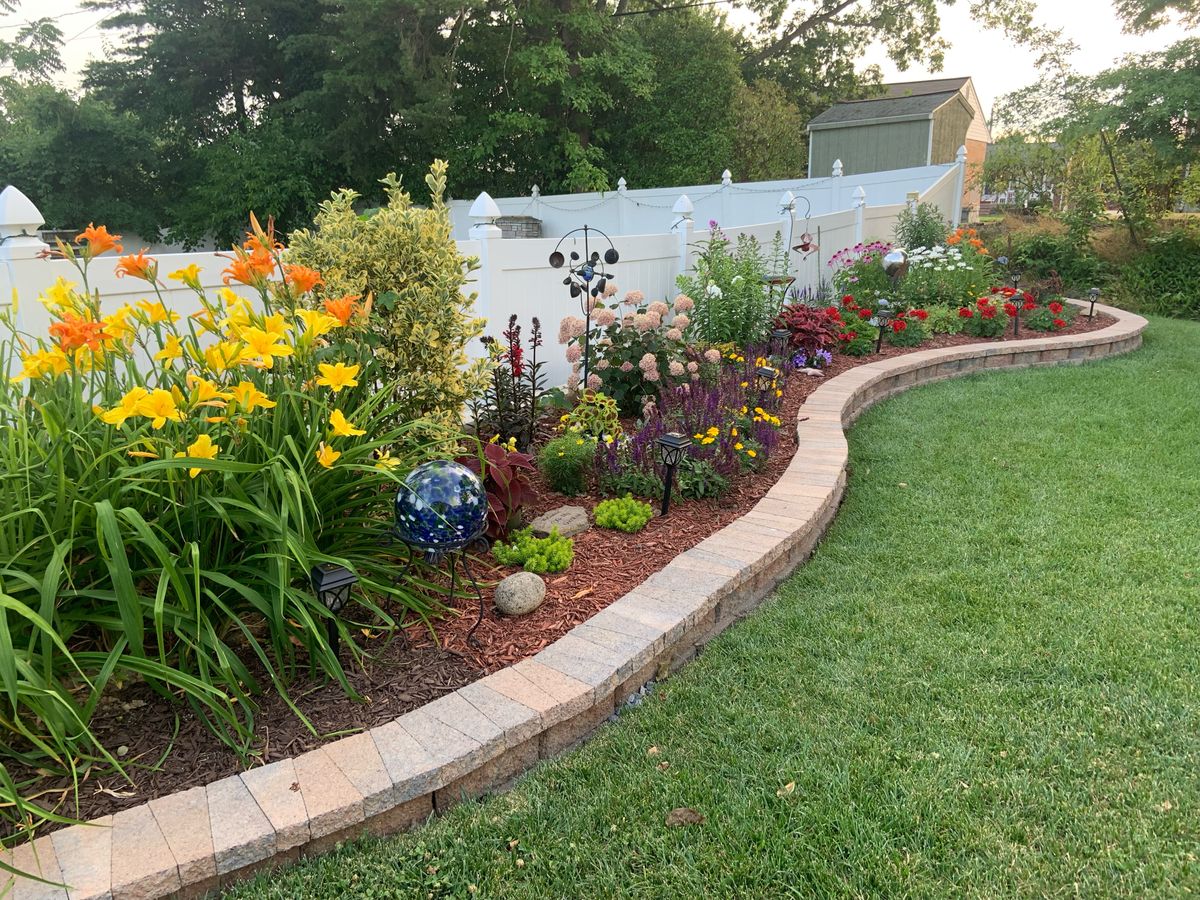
(914, 124)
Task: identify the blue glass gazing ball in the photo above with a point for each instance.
(441, 504)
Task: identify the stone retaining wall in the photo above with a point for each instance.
(480, 737)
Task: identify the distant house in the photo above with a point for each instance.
(914, 123)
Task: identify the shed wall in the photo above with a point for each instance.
(871, 148)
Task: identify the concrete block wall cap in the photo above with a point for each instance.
(186, 840)
(276, 790)
(183, 819)
(142, 863)
(84, 854)
(241, 833)
(518, 721)
(37, 858)
(332, 802)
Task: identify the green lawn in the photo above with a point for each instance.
(983, 684)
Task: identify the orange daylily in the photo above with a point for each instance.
(99, 240)
(138, 265)
(251, 268)
(344, 308)
(74, 332)
(302, 278)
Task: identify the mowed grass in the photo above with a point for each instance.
(982, 685)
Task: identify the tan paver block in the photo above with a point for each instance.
(452, 752)
(512, 683)
(614, 618)
(183, 820)
(358, 759)
(452, 709)
(411, 768)
(697, 560)
(332, 801)
(630, 652)
(143, 867)
(585, 661)
(84, 855)
(518, 721)
(276, 790)
(37, 858)
(241, 834)
(572, 695)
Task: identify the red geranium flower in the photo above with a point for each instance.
(982, 302)
(852, 334)
(1027, 297)
(843, 336)
(848, 301)
(1028, 305)
(864, 314)
(1060, 323)
(1010, 309)
(920, 314)
(966, 313)
(832, 312)
(1009, 292)
(1055, 307)
(995, 290)
(898, 325)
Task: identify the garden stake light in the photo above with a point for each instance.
(671, 447)
(1016, 280)
(586, 278)
(332, 584)
(881, 320)
(1094, 294)
(766, 379)
(779, 339)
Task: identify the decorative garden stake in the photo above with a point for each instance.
(586, 278)
(1016, 280)
(332, 584)
(1094, 294)
(671, 447)
(441, 510)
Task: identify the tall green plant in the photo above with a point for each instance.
(732, 305)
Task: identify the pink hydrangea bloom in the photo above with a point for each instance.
(676, 368)
(643, 322)
(604, 317)
(647, 360)
(659, 308)
(713, 355)
(681, 322)
(602, 364)
(574, 353)
(570, 327)
(633, 298)
(693, 367)
(610, 290)
(650, 374)
(674, 334)
(572, 382)
(594, 381)
(684, 303)
(627, 366)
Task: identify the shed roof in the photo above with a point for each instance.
(930, 86)
(856, 112)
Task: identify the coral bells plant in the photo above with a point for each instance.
(168, 481)
(809, 329)
(635, 347)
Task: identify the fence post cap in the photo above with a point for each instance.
(683, 206)
(961, 156)
(860, 196)
(726, 178)
(484, 208)
(837, 168)
(18, 215)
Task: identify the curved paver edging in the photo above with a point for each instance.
(481, 736)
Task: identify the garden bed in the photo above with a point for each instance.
(420, 664)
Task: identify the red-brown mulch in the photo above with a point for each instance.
(418, 665)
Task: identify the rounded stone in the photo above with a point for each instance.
(519, 594)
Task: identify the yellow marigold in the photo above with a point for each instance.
(201, 448)
(751, 453)
(327, 456)
(338, 376)
(159, 407)
(737, 446)
(341, 426)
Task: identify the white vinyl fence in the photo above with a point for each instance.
(514, 274)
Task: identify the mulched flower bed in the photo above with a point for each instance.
(168, 749)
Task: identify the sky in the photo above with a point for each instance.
(996, 66)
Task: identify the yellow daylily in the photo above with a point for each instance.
(264, 346)
(341, 426)
(206, 392)
(159, 407)
(224, 356)
(189, 275)
(327, 456)
(126, 408)
(171, 351)
(316, 323)
(156, 312)
(385, 460)
(338, 376)
(230, 296)
(43, 362)
(61, 295)
(277, 325)
(248, 397)
(201, 448)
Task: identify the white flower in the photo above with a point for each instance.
(713, 291)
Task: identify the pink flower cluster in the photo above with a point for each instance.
(850, 255)
(649, 366)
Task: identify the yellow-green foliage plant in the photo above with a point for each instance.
(167, 482)
(402, 259)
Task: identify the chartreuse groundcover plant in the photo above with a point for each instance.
(166, 484)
